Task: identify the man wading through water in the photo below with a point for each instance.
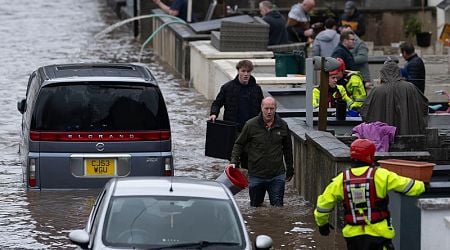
(241, 98)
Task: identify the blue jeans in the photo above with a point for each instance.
(274, 187)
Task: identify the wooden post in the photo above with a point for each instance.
(323, 104)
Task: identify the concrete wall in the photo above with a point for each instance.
(435, 215)
(320, 156)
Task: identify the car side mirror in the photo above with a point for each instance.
(263, 242)
(80, 238)
(22, 106)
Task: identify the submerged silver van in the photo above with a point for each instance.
(85, 123)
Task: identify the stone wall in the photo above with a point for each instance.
(319, 156)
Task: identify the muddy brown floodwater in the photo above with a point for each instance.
(37, 33)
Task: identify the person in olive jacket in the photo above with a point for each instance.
(241, 97)
(270, 163)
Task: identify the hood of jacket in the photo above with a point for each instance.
(390, 73)
(274, 14)
(327, 35)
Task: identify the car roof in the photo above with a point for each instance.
(169, 186)
(95, 70)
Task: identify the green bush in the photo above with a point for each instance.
(412, 26)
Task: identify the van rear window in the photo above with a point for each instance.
(100, 107)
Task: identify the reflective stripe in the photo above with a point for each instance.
(324, 210)
(409, 186)
(352, 209)
(369, 210)
(361, 99)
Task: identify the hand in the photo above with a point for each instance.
(157, 1)
(231, 165)
(308, 32)
(325, 229)
(212, 118)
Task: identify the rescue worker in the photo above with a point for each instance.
(354, 84)
(335, 92)
(363, 189)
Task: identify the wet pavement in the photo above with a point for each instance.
(37, 33)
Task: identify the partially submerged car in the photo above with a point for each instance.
(165, 213)
(85, 123)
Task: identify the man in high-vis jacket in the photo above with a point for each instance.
(363, 190)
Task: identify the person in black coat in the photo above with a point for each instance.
(241, 97)
(347, 42)
(354, 18)
(277, 31)
(414, 70)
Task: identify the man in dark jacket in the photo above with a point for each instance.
(347, 42)
(270, 161)
(354, 18)
(396, 102)
(298, 23)
(241, 97)
(277, 31)
(414, 70)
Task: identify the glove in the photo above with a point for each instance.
(325, 229)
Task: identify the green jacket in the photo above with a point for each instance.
(265, 148)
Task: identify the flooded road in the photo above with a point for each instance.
(36, 33)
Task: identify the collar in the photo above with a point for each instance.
(276, 121)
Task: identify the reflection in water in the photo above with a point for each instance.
(37, 33)
(57, 212)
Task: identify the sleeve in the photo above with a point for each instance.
(362, 55)
(176, 5)
(361, 30)
(239, 144)
(287, 153)
(316, 48)
(260, 95)
(315, 97)
(328, 199)
(355, 87)
(404, 185)
(218, 102)
(345, 96)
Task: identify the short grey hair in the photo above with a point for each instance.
(266, 4)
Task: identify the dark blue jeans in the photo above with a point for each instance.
(274, 187)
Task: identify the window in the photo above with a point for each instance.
(99, 107)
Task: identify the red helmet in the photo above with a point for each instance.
(363, 150)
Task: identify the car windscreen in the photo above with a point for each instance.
(99, 107)
(164, 221)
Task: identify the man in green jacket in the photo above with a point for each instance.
(268, 140)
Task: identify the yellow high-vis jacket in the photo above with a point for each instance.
(355, 88)
(341, 91)
(385, 181)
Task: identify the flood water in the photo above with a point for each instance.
(36, 33)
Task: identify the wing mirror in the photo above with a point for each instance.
(263, 242)
(22, 106)
(80, 238)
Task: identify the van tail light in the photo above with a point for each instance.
(32, 173)
(168, 168)
(81, 136)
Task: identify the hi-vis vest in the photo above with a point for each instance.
(361, 204)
